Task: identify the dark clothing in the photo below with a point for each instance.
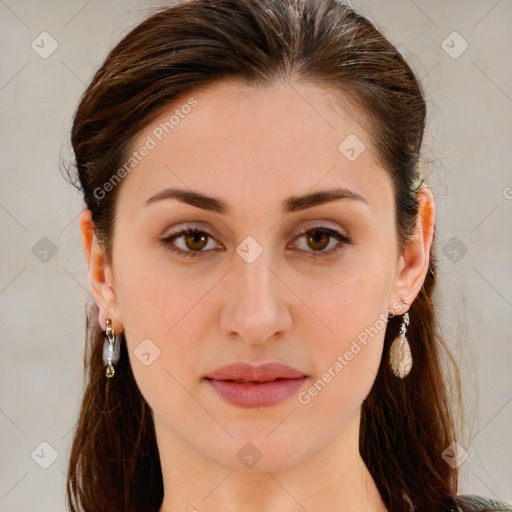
(473, 503)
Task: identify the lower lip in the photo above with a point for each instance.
(254, 395)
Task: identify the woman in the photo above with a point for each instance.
(260, 247)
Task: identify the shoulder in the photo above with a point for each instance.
(474, 503)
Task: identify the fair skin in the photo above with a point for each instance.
(253, 148)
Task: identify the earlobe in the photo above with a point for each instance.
(414, 261)
(101, 281)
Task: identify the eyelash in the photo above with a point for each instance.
(332, 233)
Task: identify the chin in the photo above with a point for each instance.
(258, 452)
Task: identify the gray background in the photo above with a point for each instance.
(42, 294)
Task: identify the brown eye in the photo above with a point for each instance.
(318, 240)
(192, 241)
(196, 240)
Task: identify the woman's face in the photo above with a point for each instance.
(251, 287)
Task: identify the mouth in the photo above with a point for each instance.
(247, 386)
(244, 381)
(245, 372)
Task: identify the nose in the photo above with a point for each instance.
(256, 305)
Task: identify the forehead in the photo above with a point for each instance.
(256, 144)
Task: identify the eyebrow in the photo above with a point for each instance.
(289, 205)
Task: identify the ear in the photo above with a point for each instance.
(101, 280)
(413, 262)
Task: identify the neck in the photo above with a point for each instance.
(334, 478)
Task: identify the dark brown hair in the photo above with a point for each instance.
(406, 424)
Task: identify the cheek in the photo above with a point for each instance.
(155, 293)
(350, 323)
(164, 339)
(166, 310)
(347, 357)
(351, 356)
(348, 301)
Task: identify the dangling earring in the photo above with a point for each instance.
(110, 349)
(400, 357)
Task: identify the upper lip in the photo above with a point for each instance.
(262, 373)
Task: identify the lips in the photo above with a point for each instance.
(243, 372)
(248, 386)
